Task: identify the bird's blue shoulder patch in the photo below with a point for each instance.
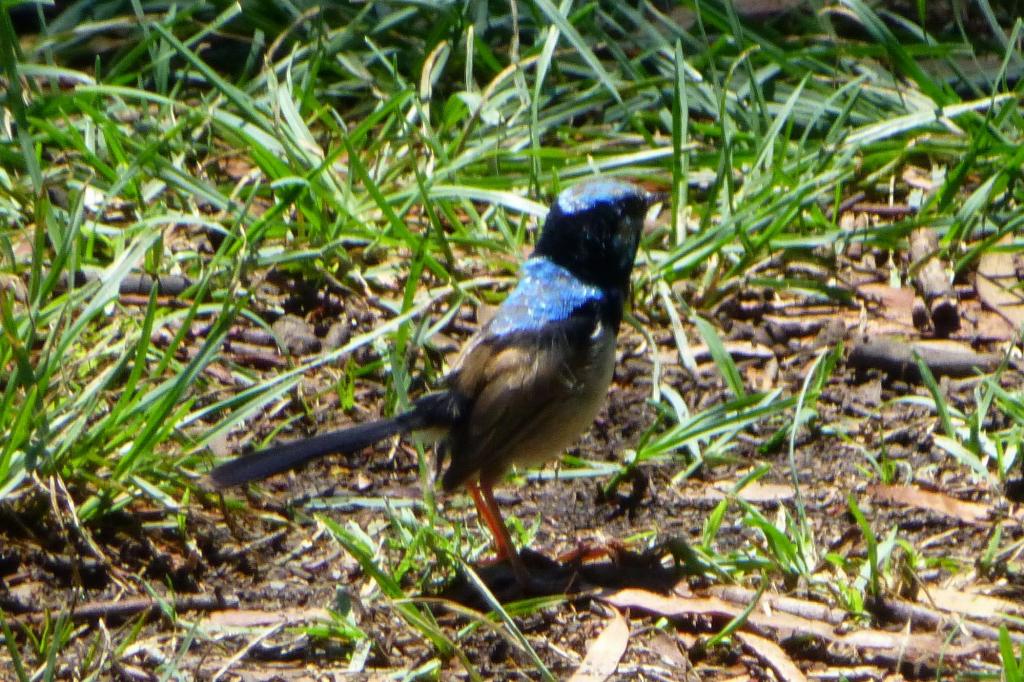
(587, 195)
(546, 293)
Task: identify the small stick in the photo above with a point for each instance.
(896, 358)
(934, 286)
(125, 608)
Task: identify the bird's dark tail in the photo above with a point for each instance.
(427, 413)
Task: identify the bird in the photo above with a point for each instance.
(532, 379)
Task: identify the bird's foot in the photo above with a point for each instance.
(589, 550)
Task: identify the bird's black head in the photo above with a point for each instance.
(593, 230)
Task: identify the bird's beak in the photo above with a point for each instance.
(653, 198)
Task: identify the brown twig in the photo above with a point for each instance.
(896, 358)
(921, 616)
(791, 605)
(884, 210)
(844, 206)
(132, 606)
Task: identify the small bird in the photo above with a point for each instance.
(532, 379)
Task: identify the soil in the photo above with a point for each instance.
(256, 572)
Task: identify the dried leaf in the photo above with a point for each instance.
(773, 655)
(755, 492)
(249, 618)
(910, 496)
(604, 652)
(873, 644)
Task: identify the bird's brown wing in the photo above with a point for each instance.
(517, 386)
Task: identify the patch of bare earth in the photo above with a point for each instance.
(247, 579)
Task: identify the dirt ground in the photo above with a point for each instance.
(244, 582)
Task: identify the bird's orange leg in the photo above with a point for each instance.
(487, 507)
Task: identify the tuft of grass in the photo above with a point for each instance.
(395, 158)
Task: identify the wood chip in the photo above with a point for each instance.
(940, 304)
(970, 603)
(998, 285)
(896, 304)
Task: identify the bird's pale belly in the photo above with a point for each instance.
(566, 420)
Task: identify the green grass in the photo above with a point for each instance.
(401, 153)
